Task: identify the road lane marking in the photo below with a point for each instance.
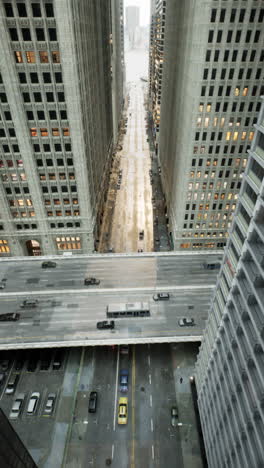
(133, 408)
(152, 449)
(150, 379)
(150, 400)
(113, 451)
(149, 360)
(151, 424)
(117, 370)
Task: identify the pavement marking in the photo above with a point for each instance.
(151, 424)
(149, 360)
(133, 408)
(117, 370)
(113, 450)
(150, 400)
(152, 449)
(150, 379)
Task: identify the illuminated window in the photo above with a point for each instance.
(62, 176)
(30, 56)
(75, 201)
(237, 162)
(66, 132)
(18, 57)
(245, 91)
(28, 202)
(244, 135)
(55, 132)
(201, 106)
(199, 122)
(235, 136)
(195, 149)
(208, 107)
(192, 174)
(43, 57)
(238, 122)
(33, 132)
(215, 162)
(228, 136)
(215, 121)
(208, 162)
(52, 176)
(212, 174)
(4, 248)
(76, 213)
(20, 202)
(44, 132)
(56, 57)
(244, 163)
(202, 149)
(197, 185)
(190, 186)
(216, 196)
(237, 91)
(185, 246)
(202, 196)
(68, 243)
(206, 122)
(198, 175)
(195, 196)
(251, 135)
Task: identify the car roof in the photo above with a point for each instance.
(122, 401)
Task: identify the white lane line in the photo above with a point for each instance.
(150, 379)
(117, 370)
(151, 424)
(152, 449)
(113, 450)
(150, 400)
(149, 360)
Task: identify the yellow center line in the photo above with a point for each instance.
(133, 408)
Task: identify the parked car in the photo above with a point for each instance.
(186, 322)
(58, 359)
(33, 403)
(12, 383)
(49, 407)
(105, 324)
(174, 415)
(91, 281)
(48, 264)
(29, 304)
(212, 265)
(161, 297)
(17, 406)
(122, 410)
(9, 317)
(123, 380)
(124, 349)
(92, 402)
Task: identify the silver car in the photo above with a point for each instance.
(49, 407)
(33, 403)
(17, 406)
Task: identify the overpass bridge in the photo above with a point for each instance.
(67, 311)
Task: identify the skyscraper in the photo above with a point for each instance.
(211, 82)
(57, 95)
(132, 23)
(230, 366)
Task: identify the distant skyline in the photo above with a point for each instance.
(144, 6)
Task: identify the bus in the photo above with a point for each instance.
(130, 309)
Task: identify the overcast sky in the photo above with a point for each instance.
(144, 9)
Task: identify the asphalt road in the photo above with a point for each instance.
(67, 311)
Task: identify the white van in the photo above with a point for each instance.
(33, 403)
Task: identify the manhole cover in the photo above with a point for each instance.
(32, 280)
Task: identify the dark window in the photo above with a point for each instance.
(212, 136)
(205, 74)
(46, 147)
(242, 15)
(210, 36)
(222, 16)
(34, 77)
(12, 132)
(220, 134)
(37, 97)
(213, 15)
(45, 189)
(58, 77)
(232, 151)
(250, 107)
(219, 36)
(229, 36)
(6, 149)
(252, 15)
(210, 149)
(213, 75)
(30, 115)
(26, 97)
(220, 90)
(234, 106)
(248, 36)
(57, 147)
(244, 56)
(234, 55)
(240, 73)
(203, 90)
(228, 89)
(36, 148)
(50, 97)
(61, 97)
(223, 73)
(254, 90)
(249, 71)
(9, 10)
(252, 55)
(8, 115)
(39, 163)
(231, 73)
(258, 106)
(54, 189)
(204, 136)
(197, 135)
(258, 74)
(13, 34)
(46, 77)
(49, 10)
(217, 106)
(257, 34)
(52, 34)
(2, 133)
(208, 55)
(40, 34)
(225, 106)
(63, 114)
(247, 120)
(3, 98)
(41, 115)
(233, 15)
(21, 7)
(60, 162)
(22, 77)
(53, 115)
(216, 55)
(261, 15)
(36, 11)
(26, 34)
(67, 147)
(238, 36)
(226, 55)
(64, 188)
(193, 162)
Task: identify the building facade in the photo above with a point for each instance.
(132, 23)
(211, 82)
(230, 366)
(56, 127)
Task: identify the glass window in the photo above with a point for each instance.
(13, 34)
(36, 11)
(9, 10)
(56, 57)
(43, 57)
(30, 56)
(40, 34)
(26, 34)
(22, 12)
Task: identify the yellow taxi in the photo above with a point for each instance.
(122, 410)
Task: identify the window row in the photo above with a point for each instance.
(65, 225)
(213, 175)
(59, 162)
(26, 34)
(221, 74)
(64, 201)
(68, 243)
(225, 106)
(37, 9)
(52, 214)
(200, 245)
(227, 90)
(20, 202)
(52, 115)
(31, 57)
(13, 177)
(231, 122)
(35, 78)
(204, 234)
(4, 247)
(44, 132)
(229, 136)
(62, 188)
(16, 190)
(11, 132)
(217, 149)
(22, 214)
(232, 56)
(26, 226)
(201, 196)
(236, 15)
(210, 206)
(60, 176)
(236, 162)
(49, 97)
(217, 36)
(208, 217)
(46, 148)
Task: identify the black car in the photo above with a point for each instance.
(90, 281)
(58, 359)
(92, 402)
(105, 324)
(48, 265)
(9, 317)
(161, 297)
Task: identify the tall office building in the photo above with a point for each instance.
(230, 366)
(56, 127)
(211, 82)
(132, 23)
